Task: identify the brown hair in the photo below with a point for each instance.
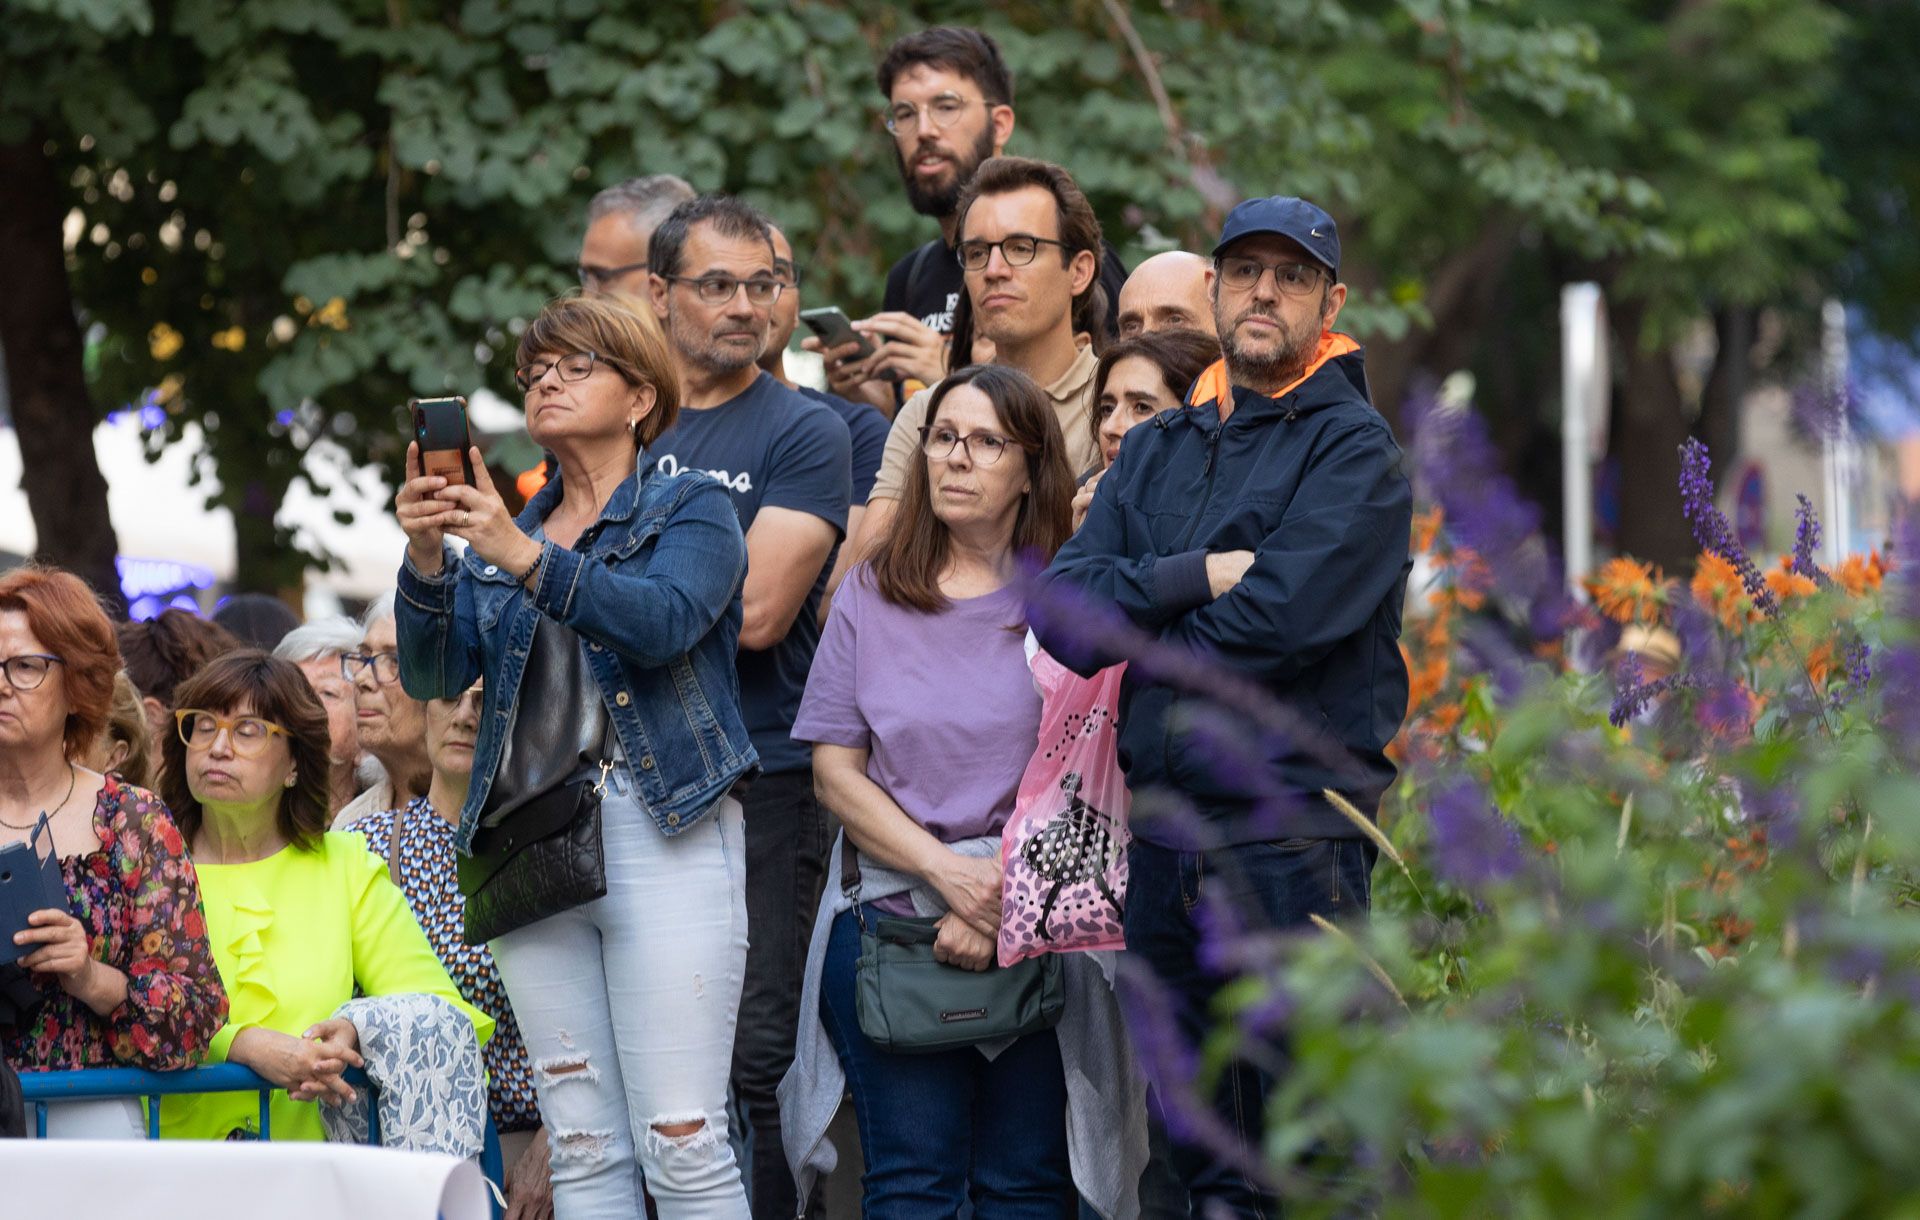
(622, 331)
(1079, 230)
(66, 618)
(906, 566)
(271, 689)
(957, 48)
(1180, 355)
(172, 646)
(127, 723)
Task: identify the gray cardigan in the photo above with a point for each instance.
(1106, 1094)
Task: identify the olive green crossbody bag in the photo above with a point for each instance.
(909, 1003)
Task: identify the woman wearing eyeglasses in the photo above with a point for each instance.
(120, 975)
(300, 919)
(629, 577)
(922, 714)
(416, 846)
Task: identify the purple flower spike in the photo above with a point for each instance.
(1806, 540)
(1710, 527)
(1473, 845)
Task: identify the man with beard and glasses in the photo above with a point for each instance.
(949, 108)
(1264, 527)
(787, 462)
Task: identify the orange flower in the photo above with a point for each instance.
(1717, 587)
(1628, 591)
(1425, 681)
(1820, 665)
(1426, 527)
(1445, 718)
(1787, 585)
(1857, 574)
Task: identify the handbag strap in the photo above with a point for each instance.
(393, 846)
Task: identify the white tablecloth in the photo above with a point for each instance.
(192, 1180)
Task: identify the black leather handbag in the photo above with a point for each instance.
(538, 850)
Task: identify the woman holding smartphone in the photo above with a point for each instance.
(627, 1002)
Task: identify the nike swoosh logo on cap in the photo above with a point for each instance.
(1315, 233)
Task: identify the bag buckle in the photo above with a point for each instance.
(600, 788)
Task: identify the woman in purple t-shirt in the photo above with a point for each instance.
(922, 716)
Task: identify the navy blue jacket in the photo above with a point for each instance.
(1311, 482)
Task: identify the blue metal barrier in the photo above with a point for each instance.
(41, 1088)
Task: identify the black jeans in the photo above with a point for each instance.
(786, 863)
(1265, 886)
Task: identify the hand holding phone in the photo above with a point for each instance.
(835, 330)
(440, 429)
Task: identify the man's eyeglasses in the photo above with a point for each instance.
(943, 112)
(1294, 279)
(983, 448)
(246, 735)
(575, 366)
(597, 277)
(719, 289)
(385, 666)
(28, 670)
(1018, 249)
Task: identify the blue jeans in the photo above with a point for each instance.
(938, 1130)
(1263, 886)
(628, 1006)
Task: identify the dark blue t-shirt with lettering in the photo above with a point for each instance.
(867, 428)
(771, 447)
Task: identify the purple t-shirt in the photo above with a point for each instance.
(944, 703)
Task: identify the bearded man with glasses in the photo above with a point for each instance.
(1264, 526)
(948, 109)
(787, 464)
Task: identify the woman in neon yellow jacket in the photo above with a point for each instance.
(298, 917)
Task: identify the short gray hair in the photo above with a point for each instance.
(378, 611)
(644, 201)
(320, 639)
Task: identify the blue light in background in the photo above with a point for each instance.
(152, 585)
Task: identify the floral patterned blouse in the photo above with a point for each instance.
(139, 899)
(431, 884)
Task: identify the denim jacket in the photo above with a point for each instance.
(653, 590)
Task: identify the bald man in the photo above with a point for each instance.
(1167, 292)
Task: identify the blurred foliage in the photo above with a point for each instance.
(358, 200)
(1647, 948)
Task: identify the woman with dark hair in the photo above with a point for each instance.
(922, 714)
(120, 975)
(1137, 379)
(164, 651)
(603, 620)
(299, 918)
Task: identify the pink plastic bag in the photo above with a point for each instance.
(1063, 854)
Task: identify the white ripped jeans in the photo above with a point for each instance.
(628, 1007)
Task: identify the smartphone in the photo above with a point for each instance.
(30, 881)
(835, 330)
(440, 428)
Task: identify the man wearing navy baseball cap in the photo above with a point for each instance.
(1264, 526)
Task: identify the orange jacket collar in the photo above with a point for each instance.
(1213, 386)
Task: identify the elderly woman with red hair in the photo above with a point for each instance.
(122, 974)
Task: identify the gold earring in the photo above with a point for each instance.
(633, 430)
